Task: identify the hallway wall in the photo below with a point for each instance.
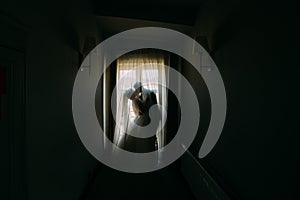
(255, 158)
(58, 163)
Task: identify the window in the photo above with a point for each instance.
(149, 70)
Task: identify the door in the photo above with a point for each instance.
(12, 124)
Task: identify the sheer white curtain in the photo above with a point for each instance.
(147, 68)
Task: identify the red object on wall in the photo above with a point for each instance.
(2, 85)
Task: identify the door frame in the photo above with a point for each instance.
(13, 39)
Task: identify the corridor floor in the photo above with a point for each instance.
(167, 183)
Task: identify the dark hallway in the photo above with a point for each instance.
(43, 45)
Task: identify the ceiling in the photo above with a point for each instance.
(160, 12)
(113, 25)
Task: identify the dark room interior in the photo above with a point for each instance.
(254, 44)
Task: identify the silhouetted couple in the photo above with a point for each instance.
(142, 99)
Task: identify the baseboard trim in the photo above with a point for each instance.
(201, 183)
